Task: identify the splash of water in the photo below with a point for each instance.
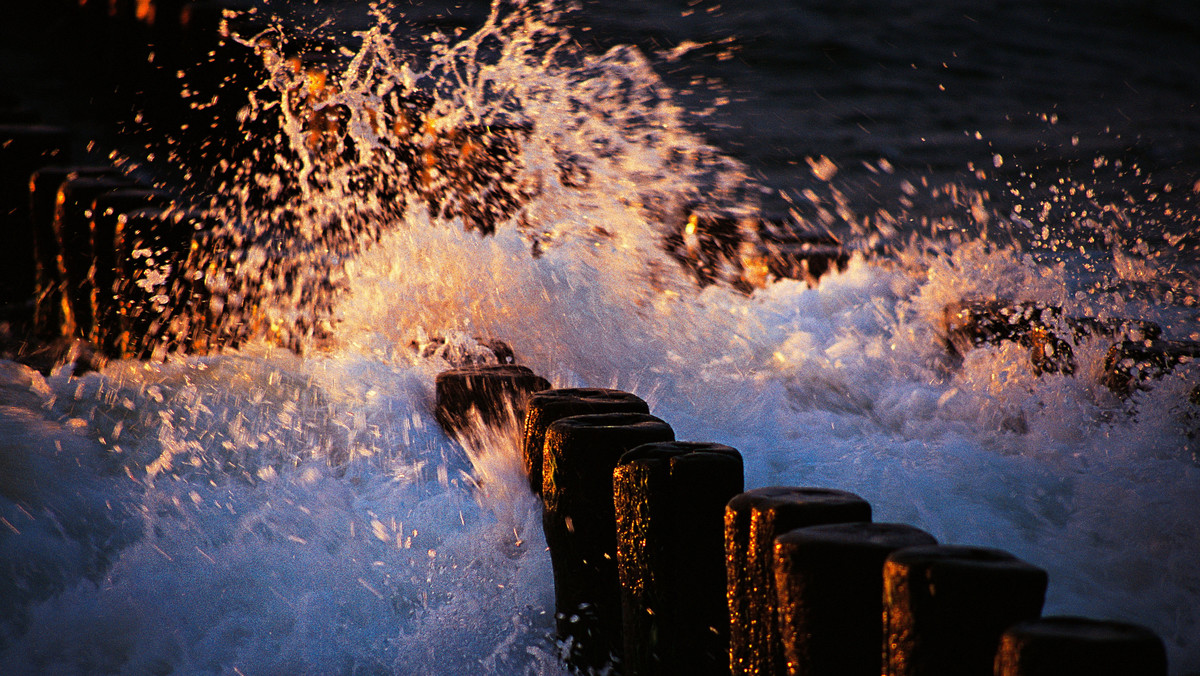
(266, 511)
(512, 129)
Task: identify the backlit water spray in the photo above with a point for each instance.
(299, 511)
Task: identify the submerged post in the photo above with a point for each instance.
(580, 524)
(752, 522)
(670, 499)
(549, 405)
(155, 311)
(945, 608)
(830, 588)
(1075, 646)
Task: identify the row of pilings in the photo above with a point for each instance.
(665, 564)
(118, 123)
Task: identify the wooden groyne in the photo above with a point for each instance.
(637, 523)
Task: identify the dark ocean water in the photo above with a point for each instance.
(936, 88)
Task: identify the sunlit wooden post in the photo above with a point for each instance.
(829, 581)
(1075, 646)
(752, 522)
(549, 405)
(945, 608)
(581, 453)
(670, 499)
(1129, 363)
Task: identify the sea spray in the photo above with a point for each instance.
(512, 128)
(263, 510)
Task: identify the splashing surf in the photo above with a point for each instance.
(265, 510)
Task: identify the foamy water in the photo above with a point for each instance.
(264, 512)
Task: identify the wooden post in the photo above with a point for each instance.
(670, 499)
(830, 588)
(43, 188)
(549, 405)
(72, 233)
(154, 318)
(488, 394)
(581, 453)
(23, 150)
(945, 608)
(752, 522)
(1075, 646)
(106, 212)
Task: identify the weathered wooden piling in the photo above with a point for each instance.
(802, 258)
(1047, 330)
(945, 608)
(154, 307)
(829, 581)
(490, 394)
(752, 522)
(550, 405)
(1129, 363)
(106, 213)
(23, 150)
(670, 502)
(1076, 646)
(43, 187)
(579, 520)
(72, 234)
(746, 251)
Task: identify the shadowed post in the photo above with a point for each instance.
(72, 234)
(752, 522)
(945, 608)
(155, 311)
(670, 499)
(106, 213)
(23, 150)
(581, 453)
(547, 406)
(491, 394)
(43, 197)
(830, 588)
(1075, 646)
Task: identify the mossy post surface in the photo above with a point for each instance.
(581, 453)
(945, 608)
(752, 522)
(549, 405)
(670, 501)
(829, 581)
(1076, 646)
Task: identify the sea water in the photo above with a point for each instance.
(268, 510)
